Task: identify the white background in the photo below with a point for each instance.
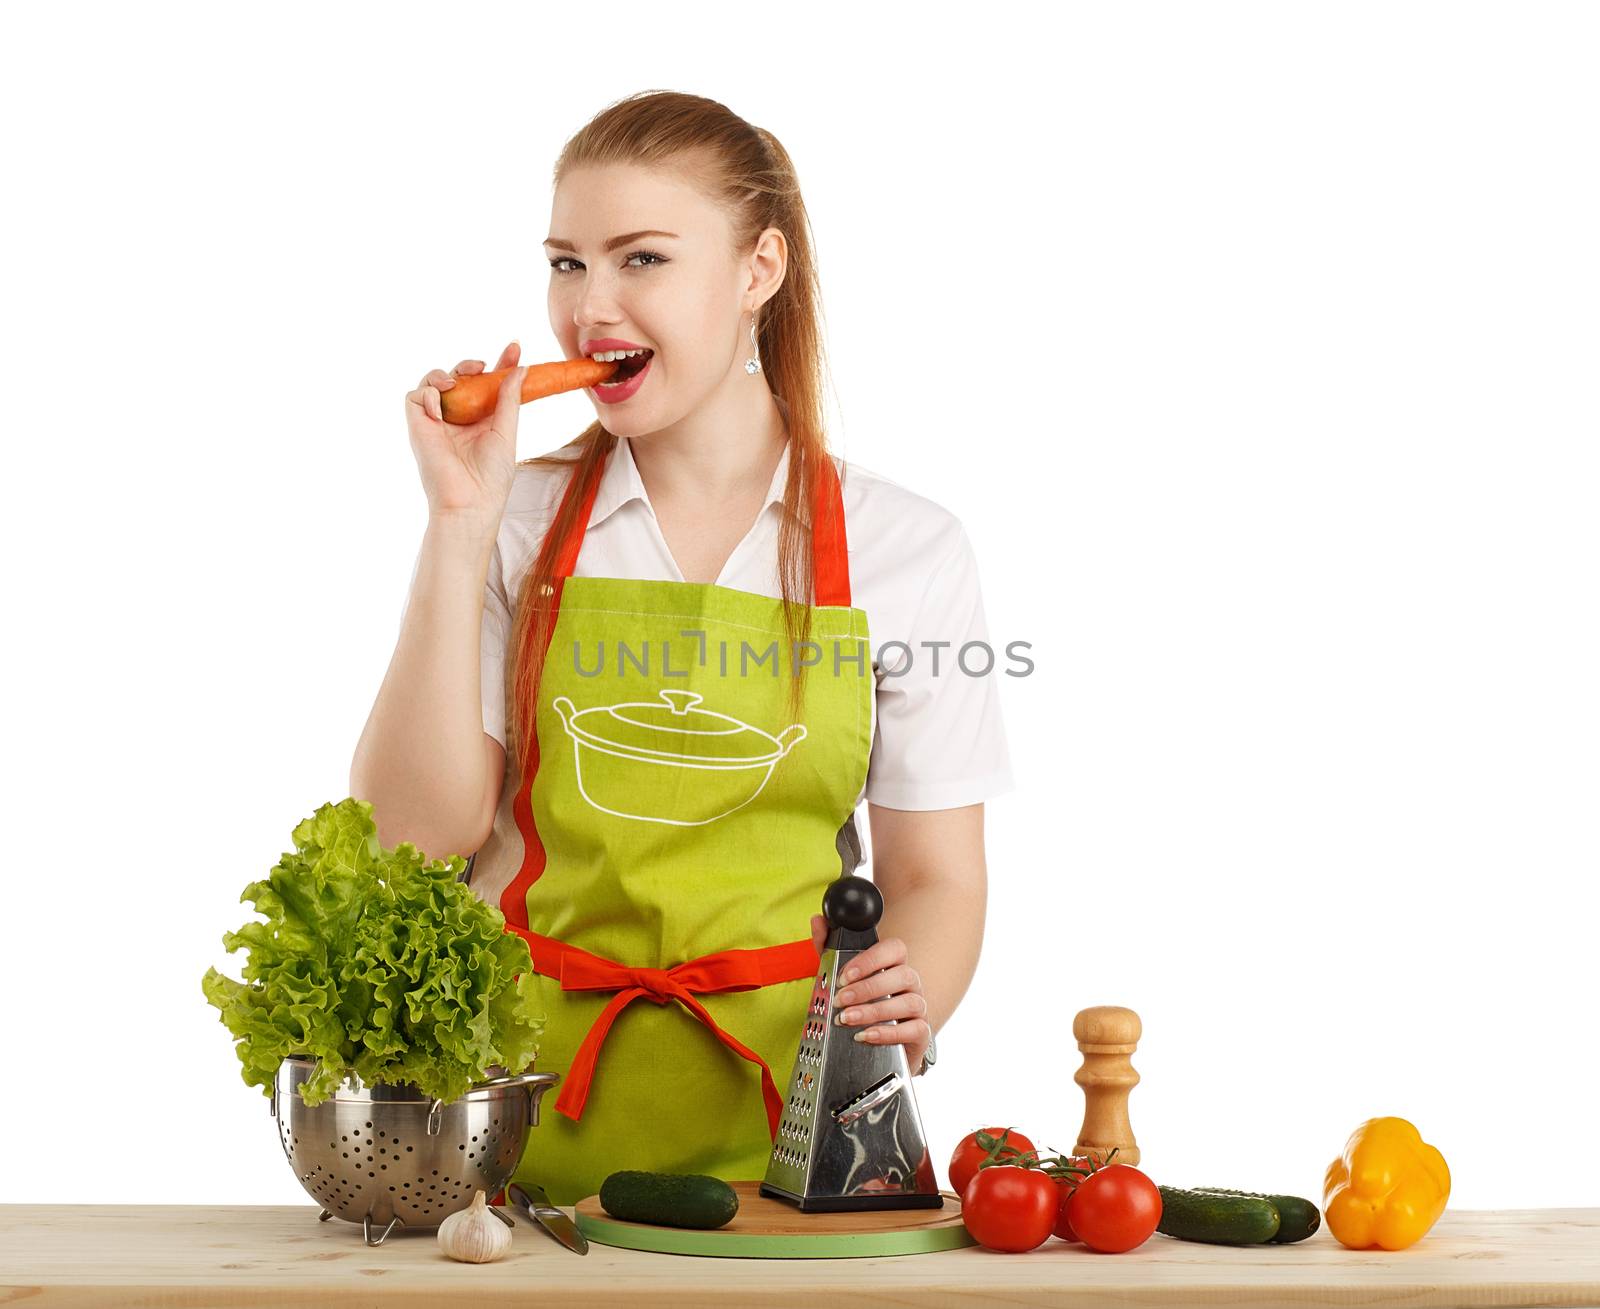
(1254, 344)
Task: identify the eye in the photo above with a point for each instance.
(555, 264)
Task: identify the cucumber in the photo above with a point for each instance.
(1216, 1219)
(1297, 1218)
(669, 1199)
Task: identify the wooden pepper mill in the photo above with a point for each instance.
(1108, 1035)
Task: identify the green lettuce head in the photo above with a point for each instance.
(376, 963)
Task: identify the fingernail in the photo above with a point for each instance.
(862, 1034)
(850, 974)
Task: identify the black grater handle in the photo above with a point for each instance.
(852, 905)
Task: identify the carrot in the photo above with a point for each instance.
(473, 397)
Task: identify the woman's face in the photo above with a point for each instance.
(638, 256)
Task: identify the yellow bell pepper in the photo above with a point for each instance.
(1387, 1188)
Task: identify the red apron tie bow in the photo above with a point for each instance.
(726, 970)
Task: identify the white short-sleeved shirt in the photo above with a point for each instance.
(937, 736)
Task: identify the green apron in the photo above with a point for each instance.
(679, 829)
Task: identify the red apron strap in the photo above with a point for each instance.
(726, 970)
(829, 546)
(514, 899)
(567, 557)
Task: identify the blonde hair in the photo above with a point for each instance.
(747, 170)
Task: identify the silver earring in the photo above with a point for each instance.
(752, 365)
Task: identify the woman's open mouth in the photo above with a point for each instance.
(627, 379)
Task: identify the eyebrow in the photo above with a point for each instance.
(610, 245)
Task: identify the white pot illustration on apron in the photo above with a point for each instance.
(668, 762)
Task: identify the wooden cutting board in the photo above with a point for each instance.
(766, 1228)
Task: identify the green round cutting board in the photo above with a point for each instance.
(768, 1228)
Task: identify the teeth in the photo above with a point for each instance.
(606, 356)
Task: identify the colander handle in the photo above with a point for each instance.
(516, 1079)
(536, 1083)
(273, 1089)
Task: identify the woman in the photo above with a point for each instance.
(671, 844)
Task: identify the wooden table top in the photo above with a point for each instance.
(175, 1255)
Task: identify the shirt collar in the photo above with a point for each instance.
(620, 483)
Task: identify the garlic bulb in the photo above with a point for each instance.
(474, 1235)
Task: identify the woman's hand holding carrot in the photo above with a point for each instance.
(467, 470)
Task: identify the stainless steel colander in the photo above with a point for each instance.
(390, 1155)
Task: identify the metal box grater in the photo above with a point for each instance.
(850, 1136)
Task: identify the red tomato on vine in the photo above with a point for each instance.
(1010, 1208)
(1006, 1144)
(1063, 1226)
(1113, 1209)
